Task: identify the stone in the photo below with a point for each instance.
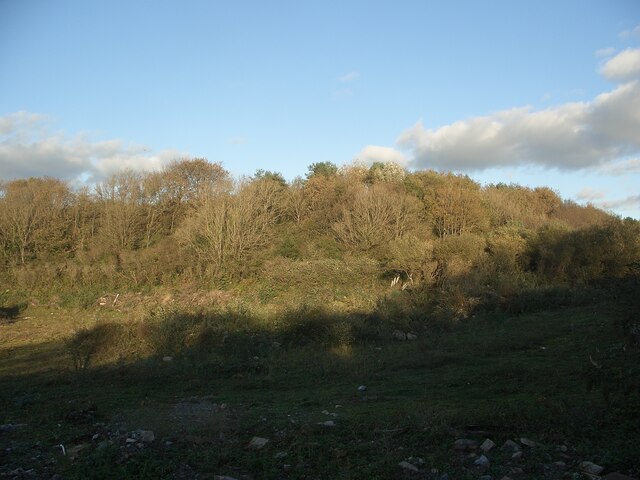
(463, 444)
(408, 466)
(562, 448)
(482, 461)
(590, 468)
(167, 359)
(145, 436)
(560, 465)
(486, 477)
(412, 336)
(528, 443)
(510, 445)
(276, 345)
(517, 455)
(444, 476)
(362, 388)
(399, 335)
(257, 443)
(487, 445)
(280, 455)
(328, 423)
(505, 478)
(222, 477)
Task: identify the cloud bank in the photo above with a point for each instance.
(571, 136)
(28, 148)
(374, 153)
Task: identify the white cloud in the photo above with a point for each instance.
(632, 32)
(568, 136)
(630, 202)
(590, 194)
(349, 77)
(624, 66)
(28, 148)
(374, 153)
(605, 52)
(621, 167)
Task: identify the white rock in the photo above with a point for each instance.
(510, 445)
(465, 444)
(328, 423)
(257, 443)
(527, 442)
(362, 388)
(487, 445)
(591, 468)
(408, 466)
(399, 335)
(145, 436)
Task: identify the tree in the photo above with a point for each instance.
(33, 217)
(185, 184)
(228, 228)
(326, 169)
(122, 217)
(375, 216)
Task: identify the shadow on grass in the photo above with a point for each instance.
(11, 313)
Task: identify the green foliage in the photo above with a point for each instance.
(325, 169)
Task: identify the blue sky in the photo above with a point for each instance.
(532, 92)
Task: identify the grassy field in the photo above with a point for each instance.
(70, 410)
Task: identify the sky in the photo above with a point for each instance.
(539, 93)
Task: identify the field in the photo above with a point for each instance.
(108, 392)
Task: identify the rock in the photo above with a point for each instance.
(280, 455)
(412, 336)
(399, 335)
(510, 445)
(486, 477)
(487, 445)
(517, 455)
(74, 452)
(362, 388)
(408, 466)
(560, 465)
(482, 462)
(130, 440)
(257, 443)
(590, 468)
(222, 477)
(276, 345)
(505, 478)
(527, 442)
(8, 427)
(145, 436)
(328, 423)
(417, 461)
(463, 444)
(444, 476)
(167, 359)
(562, 448)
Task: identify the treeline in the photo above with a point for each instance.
(192, 223)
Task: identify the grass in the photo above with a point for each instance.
(490, 376)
